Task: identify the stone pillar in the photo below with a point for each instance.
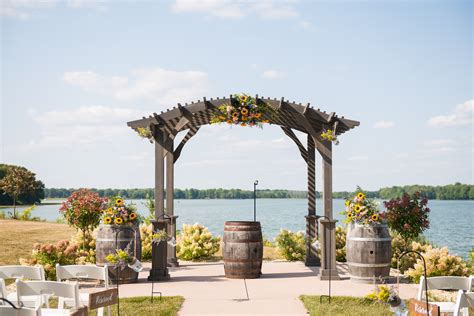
(311, 220)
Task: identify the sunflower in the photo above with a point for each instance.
(118, 220)
(244, 98)
(265, 121)
(357, 208)
(119, 202)
(374, 217)
(257, 115)
(110, 210)
(132, 216)
(244, 118)
(361, 196)
(349, 215)
(348, 202)
(221, 117)
(243, 124)
(229, 121)
(235, 114)
(107, 220)
(244, 111)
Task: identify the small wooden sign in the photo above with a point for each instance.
(80, 311)
(418, 308)
(103, 298)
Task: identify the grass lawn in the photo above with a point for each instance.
(343, 305)
(18, 238)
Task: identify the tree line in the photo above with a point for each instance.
(455, 191)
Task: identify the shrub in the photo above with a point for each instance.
(341, 233)
(291, 245)
(146, 232)
(381, 294)
(196, 242)
(267, 242)
(26, 214)
(408, 215)
(400, 245)
(438, 263)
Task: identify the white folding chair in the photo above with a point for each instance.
(24, 272)
(25, 311)
(3, 291)
(58, 289)
(445, 283)
(464, 301)
(80, 272)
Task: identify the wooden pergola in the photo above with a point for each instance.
(289, 116)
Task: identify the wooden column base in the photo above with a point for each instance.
(159, 275)
(312, 259)
(324, 274)
(328, 250)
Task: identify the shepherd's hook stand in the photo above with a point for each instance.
(424, 271)
(255, 200)
(330, 258)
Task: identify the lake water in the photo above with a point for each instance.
(452, 223)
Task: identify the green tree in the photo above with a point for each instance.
(18, 181)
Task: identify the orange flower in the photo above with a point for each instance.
(244, 118)
(243, 124)
(257, 115)
(229, 121)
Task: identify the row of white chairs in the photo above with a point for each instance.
(36, 292)
(465, 296)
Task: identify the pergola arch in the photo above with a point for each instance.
(289, 116)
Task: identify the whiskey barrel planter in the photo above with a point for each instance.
(105, 245)
(243, 250)
(368, 253)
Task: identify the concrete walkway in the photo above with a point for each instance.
(207, 291)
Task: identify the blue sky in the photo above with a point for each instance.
(73, 73)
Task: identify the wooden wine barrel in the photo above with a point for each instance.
(368, 253)
(243, 250)
(106, 244)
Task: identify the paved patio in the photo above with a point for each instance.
(207, 291)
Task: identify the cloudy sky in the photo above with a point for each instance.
(74, 72)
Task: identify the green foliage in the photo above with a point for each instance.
(381, 294)
(343, 305)
(196, 242)
(267, 242)
(341, 234)
(400, 245)
(119, 257)
(142, 306)
(2, 215)
(20, 185)
(291, 245)
(438, 263)
(26, 215)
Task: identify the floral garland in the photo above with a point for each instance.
(361, 210)
(119, 213)
(246, 112)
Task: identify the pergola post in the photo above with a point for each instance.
(159, 270)
(172, 261)
(311, 219)
(328, 239)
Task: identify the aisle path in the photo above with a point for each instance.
(207, 291)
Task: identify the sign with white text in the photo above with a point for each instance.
(103, 298)
(418, 308)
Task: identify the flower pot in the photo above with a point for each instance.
(113, 237)
(368, 252)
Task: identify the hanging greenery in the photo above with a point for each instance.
(245, 111)
(144, 132)
(330, 135)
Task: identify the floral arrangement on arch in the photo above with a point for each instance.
(363, 211)
(245, 112)
(119, 213)
(330, 135)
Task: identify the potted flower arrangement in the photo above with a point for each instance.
(246, 111)
(119, 231)
(368, 241)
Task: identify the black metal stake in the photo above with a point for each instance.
(255, 200)
(330, 252)
(117, 270)
(424, 271)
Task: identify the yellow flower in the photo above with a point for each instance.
(349, 215)
(132, 216)
(110, 210)
(221, 117)
(361, 196)
(229, 121)
(374, 217)
(244, 118)
(257, 115)
(348, 202)
(357, 208)
(244, 111)
(118, 220)
(243, 124)
(244, 98)
(119, 202)
(235, 114)
(107, 220)
(265, 121)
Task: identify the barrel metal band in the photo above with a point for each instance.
(369, 239)
(249, 229)
(238, 241)
(242, 260)
(113, 239)
(369, 265)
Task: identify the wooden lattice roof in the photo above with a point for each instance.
(303, 118)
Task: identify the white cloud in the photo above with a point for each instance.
(228, 9)
(22, 9)
(272, 74)
(87, 4)
(86, 125)
(156, 84)
(463, 115)
(384, 124)
(439, 146)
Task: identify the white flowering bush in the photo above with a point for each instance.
(341, 234)
(291, 245)
(196, 242)
(146, 232)
(438, 263)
